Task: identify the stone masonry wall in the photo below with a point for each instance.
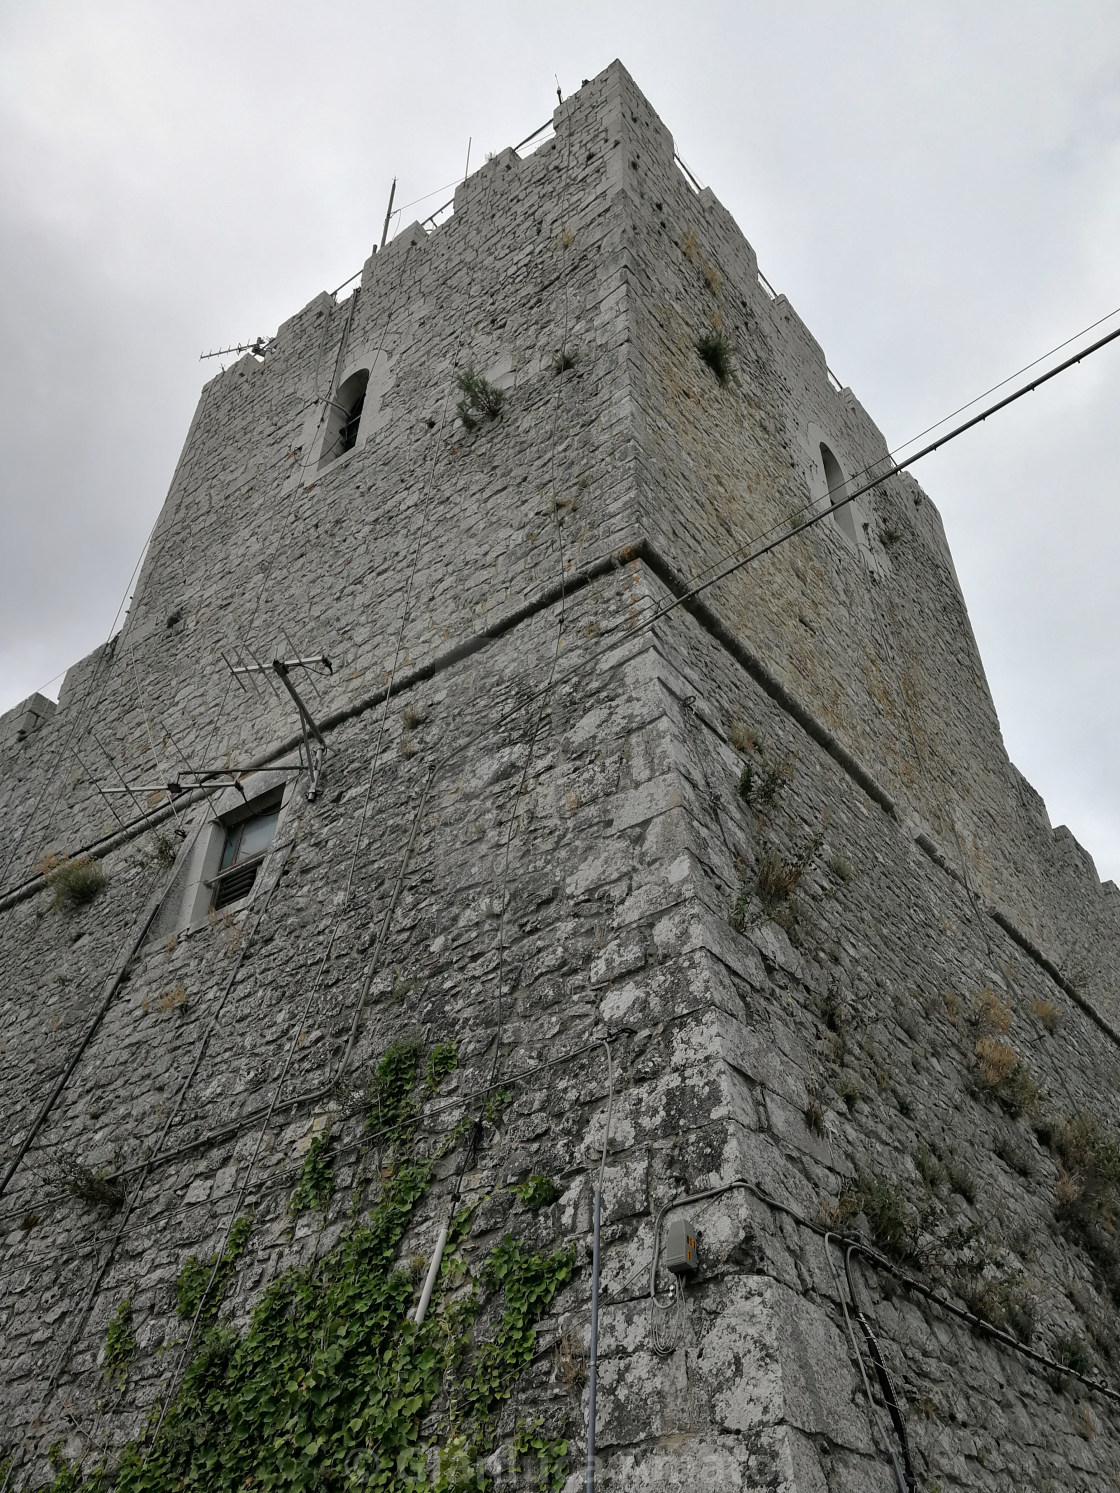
(764, 848)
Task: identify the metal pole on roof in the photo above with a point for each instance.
(388, 214)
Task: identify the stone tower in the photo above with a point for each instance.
(499, 861)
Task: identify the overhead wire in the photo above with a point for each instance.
(49, 777)
(389, 909)
(787, 533)
(370, 1136)
(104, 1263)
(104, 1005)
(664, 609)
(545, 694)
(327, 951)
(1100, 321)
(738, 561)
(426, 508)
(904, 1472)
(134, 1194)
(879, 1262)
(81, 707)
(766, 549)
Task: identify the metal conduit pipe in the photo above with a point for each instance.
(151, 913)
(593, 1355)
(433, 1275)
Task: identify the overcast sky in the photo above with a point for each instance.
(935, 185)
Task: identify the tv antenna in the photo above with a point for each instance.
(312, 746)
(257, 348)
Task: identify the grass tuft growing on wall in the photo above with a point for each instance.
(715, 350)
(1006, 1076)
(75, 882)
(1088, 1194)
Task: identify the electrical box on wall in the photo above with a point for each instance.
(681, 1254)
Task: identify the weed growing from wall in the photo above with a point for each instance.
(195, 1286)
(91, 1184)
(1075, 1353)
(1088, 1198)
(1048, 1013)
(495, 1104)
(716, 352)
(1005, 1302)
(552, 1455)
(443, 1059)
(481, 400)
(894, 1226)
(120, 1345)
(389, 1103)
(773, 886)
(163, 848)
(760, 787)
(1004, 1074)
(316, 1178)
(536, 1191)
(332, 1386)
(75, 882)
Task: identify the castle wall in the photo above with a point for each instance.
(874, 638)
(720, 846)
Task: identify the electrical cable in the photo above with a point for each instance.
(426, 507)
(880, 1262)
(289, 1175)
(739, 563)
(381, 940)
(104, 1006)
(546, 692)
(135, 1193)
(856, 1353)
(742, 561)
(64, 745)
(99, 1272)
(907, 1482)
(80, 706)
(195, 423)
(1100, 321)
(781, 526)
(847, 498)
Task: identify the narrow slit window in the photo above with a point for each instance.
(345, 417)
(246, 846)
(837, 489)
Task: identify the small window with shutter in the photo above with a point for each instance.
(247, 842)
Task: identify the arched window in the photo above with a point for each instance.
(837, 489)
(344, 417)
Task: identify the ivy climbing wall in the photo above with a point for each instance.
(732, 894)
